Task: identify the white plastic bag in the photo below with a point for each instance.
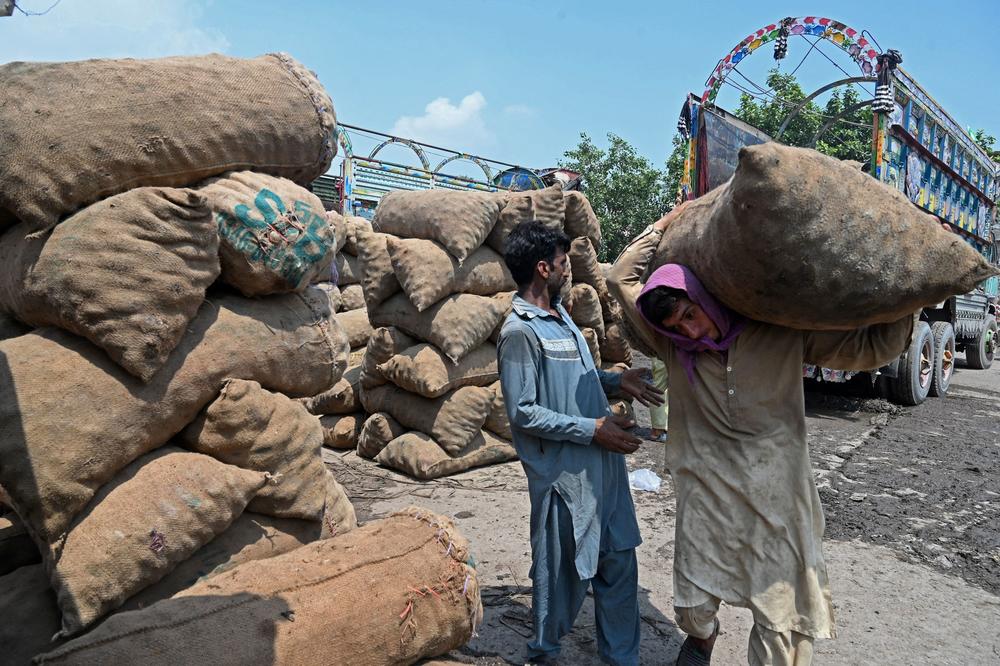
(644, 479)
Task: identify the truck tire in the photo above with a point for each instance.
(979, 354)
(943, 336)
(916, 368)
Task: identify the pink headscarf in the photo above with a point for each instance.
(729, 323)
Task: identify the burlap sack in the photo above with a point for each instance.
(70, 419)
(340, 228)
(424, 370)
(586, 311)
(506, 302)
(803, 240)
(356, 326)
(343, 398)
(127, 273)
(497, 421)
(77, 132)
(546, 206)
(252, 537)
(30, 615)
(153, 515)
(334, 296)
(452, 420)
(16, 547)
(385, 342)
(379, 429)
(581, 219)
(352, 297)
(354, 226)
(460, 221)
(263, 431)
(515, 209)
(338, 516)
(418, 455)
(428, 273)
(614, 346)
(456, 325)
(340, 431)
(10, 327)
(375, 267)
(348, 269)
(585, 267)
(391, 592)
(593, 343)
(274, 237)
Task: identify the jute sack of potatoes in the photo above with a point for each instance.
(418, 455)
(343, 398)
(348, 269)
(456, 325)
(355, 225)
(452, 420)
(590, 335)
(585, 267)
(352, 297)
(546, 206)
(581, 219)
(586, 311)
(127, 273)
(424, 370)
(77, 132)
(800, 239)
(356, 326)
(273, 233)
(460, 221)
(614, 346)
(70, 419)
(252, 537)
(384, 343)
(151, 517)
(375, 267)
(340, 431)
(428, 273)
(392, 592)
(497, 421)
(256, 429)
(378, 430)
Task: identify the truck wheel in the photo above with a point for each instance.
(943, 336)
(979, 354)
(916, 368)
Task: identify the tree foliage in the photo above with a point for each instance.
(988, 143)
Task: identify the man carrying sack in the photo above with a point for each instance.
(749, 522)
(583, 526)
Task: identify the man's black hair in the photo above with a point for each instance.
(660, 303)
(529, 243)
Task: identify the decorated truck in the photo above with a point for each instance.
(916, 147)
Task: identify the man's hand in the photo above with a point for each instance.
(665, 221)
(610, 434)
(634, 383)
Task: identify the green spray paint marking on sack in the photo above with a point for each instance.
(289, 243)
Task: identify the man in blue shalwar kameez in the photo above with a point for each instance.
(583, 526)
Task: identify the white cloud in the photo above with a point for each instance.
(78, 29)
(460, 127)
(519, 110)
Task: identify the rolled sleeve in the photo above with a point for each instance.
(861, 349)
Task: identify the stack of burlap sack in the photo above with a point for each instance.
(437, 292)
(157, 250)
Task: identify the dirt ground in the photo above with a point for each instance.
(912, 500)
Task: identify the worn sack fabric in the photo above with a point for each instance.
(456, 325)
(340, 431)
(343, 398)
(452, 420)
(614, 346)
(497, 421)
(338, 516)
(333, 295)
(590, 335)
(30, 614)
(545, 206)
(424, 370)
(348, 269)
(581, 219)
(70, 419)
(586, 312)
(76, 132)
(127, 273)
(252, 537)
(460, 221)
(378, 430)
(800, 239)
(356, 326)
(392, 592)
(274, 237)
(375, 267)
(16, 547)
(263, 431)
(159, 511)
(354, 226)
(585, 267)
(418, 455)
(506, 302)
(428, 273)
(514, 210)
(385, 342)
(340, 227)
(352, 297)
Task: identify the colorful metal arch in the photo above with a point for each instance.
(421, 155)
(472, 158)
(344, 140)
(850, 40)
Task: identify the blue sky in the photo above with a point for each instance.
(518, 81)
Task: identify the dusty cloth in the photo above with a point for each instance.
(749, 521)
(786, 648)
(658, 413)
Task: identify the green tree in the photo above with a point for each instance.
(626, 191)
(988, 143)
